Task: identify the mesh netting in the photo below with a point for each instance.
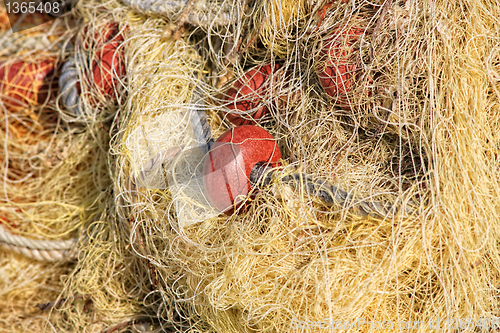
(394, 102)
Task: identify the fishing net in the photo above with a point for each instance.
(388, 109)
(52, 175)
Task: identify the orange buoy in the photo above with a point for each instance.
(25, 84)
(248, 94)
(108, 64)
(337, 65)
(227, 167)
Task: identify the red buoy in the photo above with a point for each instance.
(337, 65)
(227, 167)
(26, 84)
(248, 94)
(108, 63)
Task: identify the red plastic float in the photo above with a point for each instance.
(108, 62)
(227, 167)
(337, 65)
(26, 84)
(247, 94)
(107, 65)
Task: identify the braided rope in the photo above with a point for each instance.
(203, 13)
(39, 249)
(68, 87)
(331, 195)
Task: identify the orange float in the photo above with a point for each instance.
(26, 84)
(108, 63)
(247, 96)
(106, 59)
(227, 167)
(338, 66)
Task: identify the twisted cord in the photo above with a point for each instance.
(262, 176)
(39, 249)
(68, 87)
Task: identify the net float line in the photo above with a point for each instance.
(246, 158)
(263, 175)
(202, 13)
(68, 85)
(102, 65)
(39, 249)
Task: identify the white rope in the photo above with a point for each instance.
(39, 249)
(70, 76)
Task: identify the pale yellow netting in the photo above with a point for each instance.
(418, 128)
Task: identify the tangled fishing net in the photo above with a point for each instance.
(384, 205)
(51, 175)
